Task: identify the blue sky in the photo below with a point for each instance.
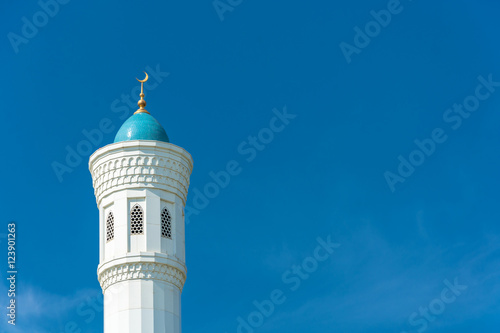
(219, 75)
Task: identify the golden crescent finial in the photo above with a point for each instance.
(145, 79)
(142, 102)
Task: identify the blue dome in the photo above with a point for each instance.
(141, 126)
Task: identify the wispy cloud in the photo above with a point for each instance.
(39, 311)
(386, 284)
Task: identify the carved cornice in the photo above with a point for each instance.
(118, 166)
(144, 271)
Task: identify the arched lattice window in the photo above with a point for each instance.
(136, 220)
(110, 227)
(166, 224)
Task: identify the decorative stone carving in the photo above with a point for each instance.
(142, 270)
(126, 165)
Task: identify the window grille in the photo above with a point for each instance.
(137, 220)
(166, 224)
(110, 227)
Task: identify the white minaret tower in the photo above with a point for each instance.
(141, 183)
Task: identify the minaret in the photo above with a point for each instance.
(140, 184)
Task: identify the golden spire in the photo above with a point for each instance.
(142, 102)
